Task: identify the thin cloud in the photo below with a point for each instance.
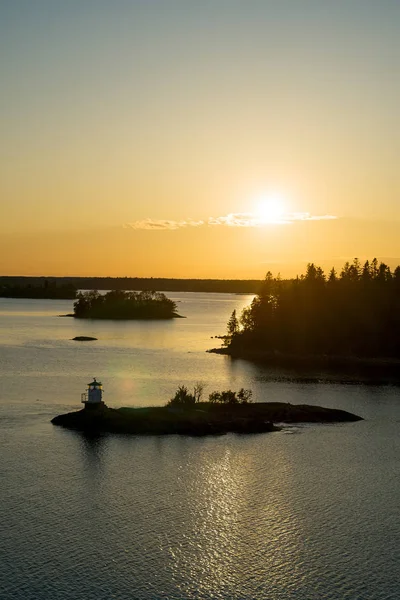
(308, 217)
(234, 220)
(230, 220)
(252, 220)
(163, 224)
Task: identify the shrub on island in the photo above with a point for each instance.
(229, 397)
(184, 398)
(118, 304)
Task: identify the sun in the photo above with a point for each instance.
(270, 209)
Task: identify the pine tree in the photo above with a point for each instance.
(233, 324)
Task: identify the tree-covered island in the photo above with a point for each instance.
(118, 304)
(348, 318)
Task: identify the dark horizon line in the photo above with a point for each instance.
(161, 284)
(73, 277)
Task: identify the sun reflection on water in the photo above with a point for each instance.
(235, 518)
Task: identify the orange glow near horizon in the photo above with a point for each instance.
(143, 151)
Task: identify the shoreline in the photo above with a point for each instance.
(137, 284)
(314, 368)
(175, 316)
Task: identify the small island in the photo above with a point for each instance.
(84, 338)
(118, 304)
(203, 419)
(225, 412)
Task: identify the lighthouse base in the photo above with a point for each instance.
(94, 405)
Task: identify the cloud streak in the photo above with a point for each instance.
(163, 224)
(230, 220)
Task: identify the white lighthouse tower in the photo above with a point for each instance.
(93, 397)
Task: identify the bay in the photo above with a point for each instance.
(310, 512)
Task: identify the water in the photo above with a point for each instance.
(307, 513)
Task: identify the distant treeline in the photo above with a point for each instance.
(238, 286)
(45, 289)
(355, 313)
(118, 304)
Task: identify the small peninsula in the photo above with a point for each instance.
(345, 324)
(203, 418)
(122, 305)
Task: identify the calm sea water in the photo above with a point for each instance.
(310, 512)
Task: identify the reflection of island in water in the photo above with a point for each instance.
(92, 446)
(204, 418)
(118, 304)
(277, 366)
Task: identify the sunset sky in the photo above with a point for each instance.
(188, 138)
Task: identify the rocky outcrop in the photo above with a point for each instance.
(202, 419)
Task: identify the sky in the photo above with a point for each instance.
(188, 138)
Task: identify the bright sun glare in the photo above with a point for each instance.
(270, 209)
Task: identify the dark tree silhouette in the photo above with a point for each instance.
(124, 305)
(233, 324)
(355, 314)
(232, 286)
(46, 290)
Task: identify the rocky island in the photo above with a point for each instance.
(202, 418)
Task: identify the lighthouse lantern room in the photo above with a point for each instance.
(93, 398)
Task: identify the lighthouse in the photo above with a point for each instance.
(93, 397)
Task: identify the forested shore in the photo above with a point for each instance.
(232, 286)
(351, 317)
(44, 290)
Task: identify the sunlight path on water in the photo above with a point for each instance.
(307, 513)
